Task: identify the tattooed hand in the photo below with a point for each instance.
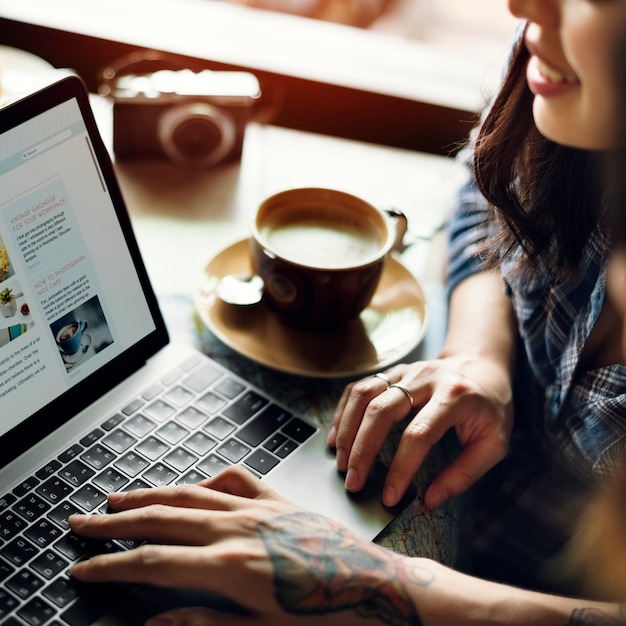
(233, 536)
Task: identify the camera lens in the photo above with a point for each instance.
(196, 134)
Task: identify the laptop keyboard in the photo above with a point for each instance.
(197, 421)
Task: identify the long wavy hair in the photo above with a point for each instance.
(546, 197)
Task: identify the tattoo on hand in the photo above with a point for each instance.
(329, 570)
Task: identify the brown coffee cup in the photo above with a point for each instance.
(320, 253)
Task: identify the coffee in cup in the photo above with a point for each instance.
(320, 253)
(69, 338)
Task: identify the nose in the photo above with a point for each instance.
(546, 13)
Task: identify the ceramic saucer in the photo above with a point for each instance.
(391, 326)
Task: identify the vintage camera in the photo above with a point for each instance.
(194, 119)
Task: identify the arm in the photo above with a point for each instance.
(234, 537)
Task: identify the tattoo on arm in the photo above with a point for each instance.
(331, 570)
(592, 617)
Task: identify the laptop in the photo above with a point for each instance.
(93, 396)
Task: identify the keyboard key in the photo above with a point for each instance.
(112, 422)
(230, 387)
(159, 410)
(160, 475)
(5, 570)
(269, 420)
(202, 378)
(245, 407)
(190, 478)
(36, 612)
(8, 602)
(49, 564)
(62, 592)
(200, 443)
(91, 438)
(70, 453)
(233, 450)
(298, 430)
(54, 489)
(28, 485)
(48, 469)
(119, 441)
(88, 497)
(76, 473)
(110, 480)
(180, 459)
(140, 425)
(10, 524)
(213, 465)
(172, 432)
(286, 448)
(261, 461)
(19, 551)
(62, 512)
(152, 448)
(43, 533)
(97, 456)
(133, 407)
(192, 417)
(83, 612)
(7, 500)
(31, 507)
(211, 402)
(179, 396)
(24, 584)
(275, 441)
(131, 464)
(220, 428)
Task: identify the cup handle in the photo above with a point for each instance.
(402, 225)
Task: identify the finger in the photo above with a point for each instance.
(468, 467)
(382, 413)
(349, 410)
(361, 394)
(421, 433)
(238, 481)
(157, 523)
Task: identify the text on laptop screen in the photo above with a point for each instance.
(70, 298)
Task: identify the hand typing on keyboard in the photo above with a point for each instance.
(233, 536)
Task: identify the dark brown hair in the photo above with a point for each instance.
(546, 196)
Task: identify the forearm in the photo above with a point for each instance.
(482, 321)
(450, 597)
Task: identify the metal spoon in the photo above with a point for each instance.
(240, 289)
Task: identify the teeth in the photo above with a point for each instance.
(552, 75)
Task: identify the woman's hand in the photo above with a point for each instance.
(233, 536)
(469, 389)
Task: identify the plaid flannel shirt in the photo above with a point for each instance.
(570, 425)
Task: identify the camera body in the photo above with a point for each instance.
(194, 119)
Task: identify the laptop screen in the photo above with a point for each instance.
(74, 296)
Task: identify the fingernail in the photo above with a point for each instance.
(332, 436)
(116, 497)
(352, 479)
(438, 499)
(390, 496)
(77, 520)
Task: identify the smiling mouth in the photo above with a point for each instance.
(554, 76)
